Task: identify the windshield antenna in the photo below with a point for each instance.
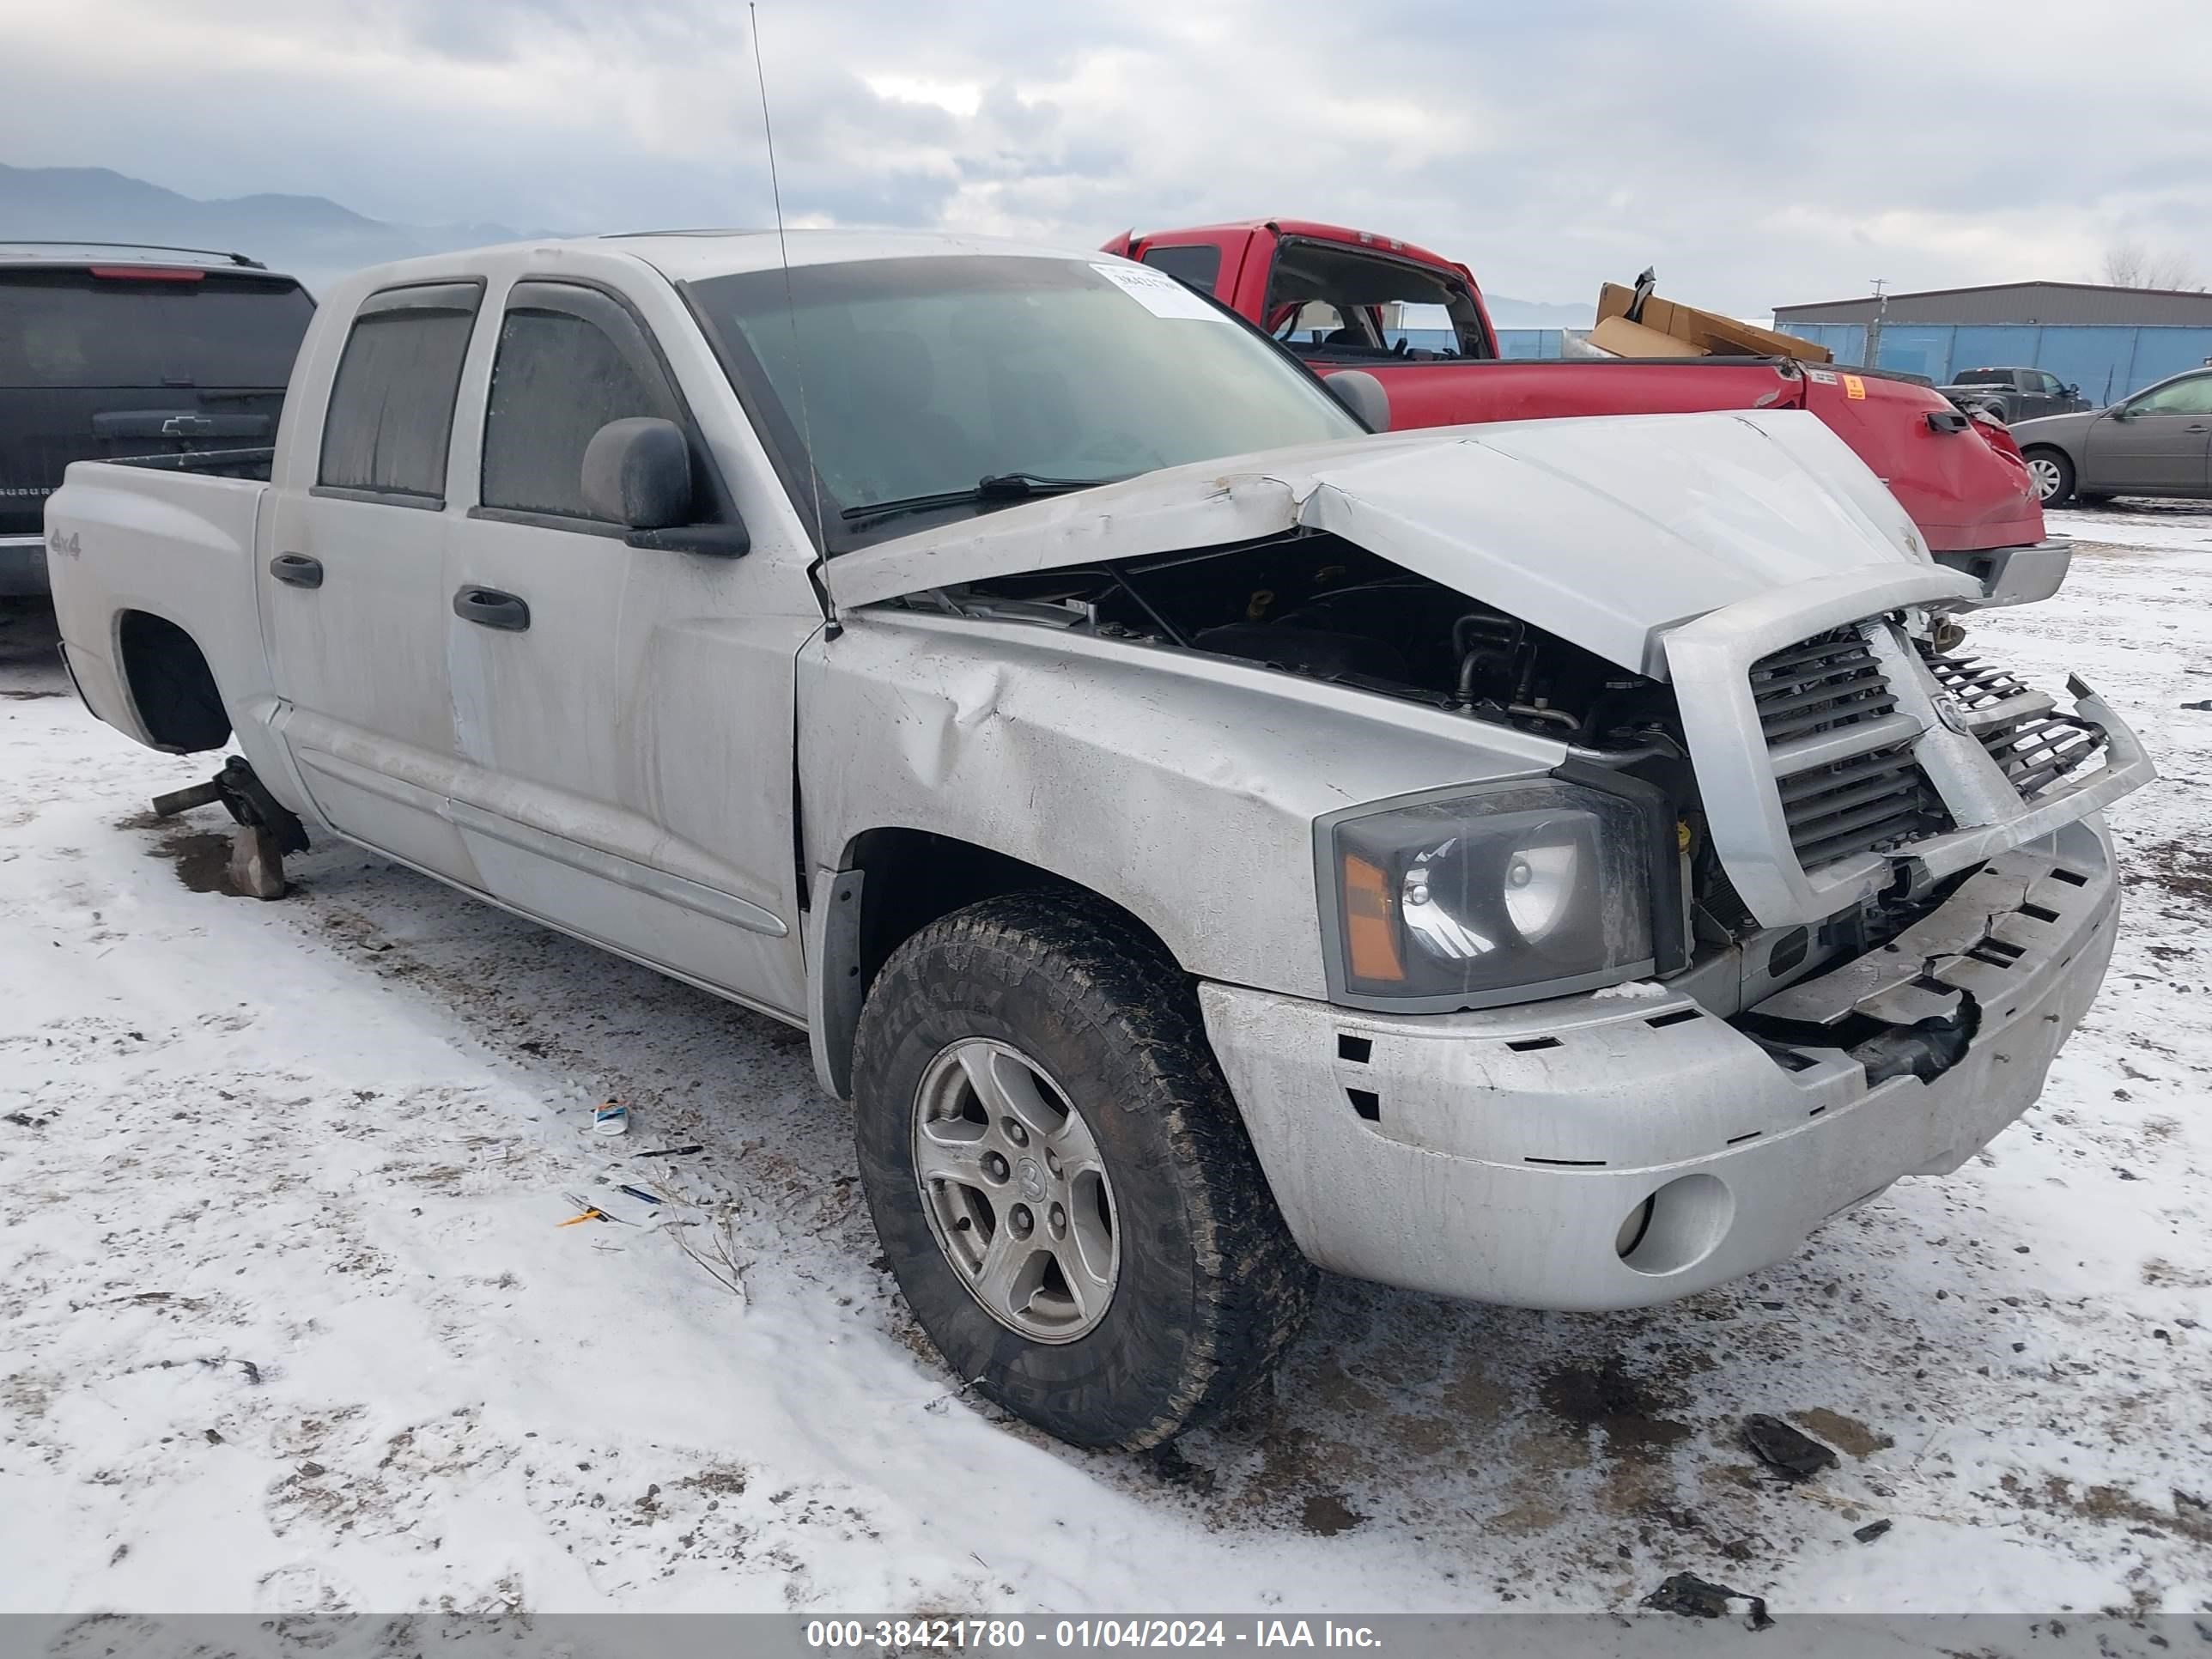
(833, 627)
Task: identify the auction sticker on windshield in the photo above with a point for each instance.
(1160, 294)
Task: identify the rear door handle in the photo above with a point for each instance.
(296, 570)
(488, 607)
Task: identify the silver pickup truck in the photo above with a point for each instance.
(1206, 838)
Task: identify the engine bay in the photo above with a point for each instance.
(1314, 605)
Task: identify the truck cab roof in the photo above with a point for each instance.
(694, 255)
(1315, 230)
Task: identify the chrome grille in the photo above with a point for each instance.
(2017, 724)
(1861, 801)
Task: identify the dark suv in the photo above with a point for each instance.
(2013, 394)
(110, 350)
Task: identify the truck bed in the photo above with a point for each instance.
(171, 537)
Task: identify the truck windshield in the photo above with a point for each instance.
(896, 380)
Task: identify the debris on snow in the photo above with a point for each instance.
(1696, 1598)
(1793, 1454)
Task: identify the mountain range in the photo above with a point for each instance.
(310, 236)
(315, 239)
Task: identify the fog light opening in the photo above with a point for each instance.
(1637, 1224)
(1677, 1227)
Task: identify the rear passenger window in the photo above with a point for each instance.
(1195, 267)
(570, 359)
(392, 406)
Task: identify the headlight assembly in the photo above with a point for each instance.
(1495, 895)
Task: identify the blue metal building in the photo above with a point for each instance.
(2108, 341)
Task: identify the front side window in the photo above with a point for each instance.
(2192, 396)
(891, 381)
(391, 414)
(562, 374)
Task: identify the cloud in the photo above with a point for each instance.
(1757, 154)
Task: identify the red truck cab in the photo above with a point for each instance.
(1321, 290)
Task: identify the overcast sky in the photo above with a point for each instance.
(1760, 152)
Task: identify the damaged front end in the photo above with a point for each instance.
(1721, 620)
(1679, 877)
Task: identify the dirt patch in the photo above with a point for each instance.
(1325, 1514)
(2183, 868)
(1625, 1405)
(2110, 1506)
(1846, 1434)
(717, 1479)
(201, 856)
(2160, 1272)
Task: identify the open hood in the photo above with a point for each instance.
(1606, 531)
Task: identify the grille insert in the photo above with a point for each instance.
(1863, 803)
(2036, 747)
(1817, 685)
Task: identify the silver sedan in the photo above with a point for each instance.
(2158, 442)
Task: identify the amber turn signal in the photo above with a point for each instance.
(1370, 926)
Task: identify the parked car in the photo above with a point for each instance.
(1555, 864)
(2012, 395)
(2158, 442)
(110, 350)
(1963, 482)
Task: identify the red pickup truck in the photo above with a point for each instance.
(1962, 481)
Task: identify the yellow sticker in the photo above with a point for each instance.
(1855, 387)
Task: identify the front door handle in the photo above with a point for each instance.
(488, 607)
(296, 570)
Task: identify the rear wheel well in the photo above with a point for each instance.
(171, 684)
(910, 877)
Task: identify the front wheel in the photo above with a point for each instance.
(2053, 475)
(1059, 1178)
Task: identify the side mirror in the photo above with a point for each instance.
(637, 472)
(1362, 394)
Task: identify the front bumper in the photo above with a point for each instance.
(2014, 575)
(22, 566)
(1506, 1155)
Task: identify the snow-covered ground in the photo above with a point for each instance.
(285, 1321)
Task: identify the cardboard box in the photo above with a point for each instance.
(1670, 329)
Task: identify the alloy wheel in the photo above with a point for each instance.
(1015, 1190)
